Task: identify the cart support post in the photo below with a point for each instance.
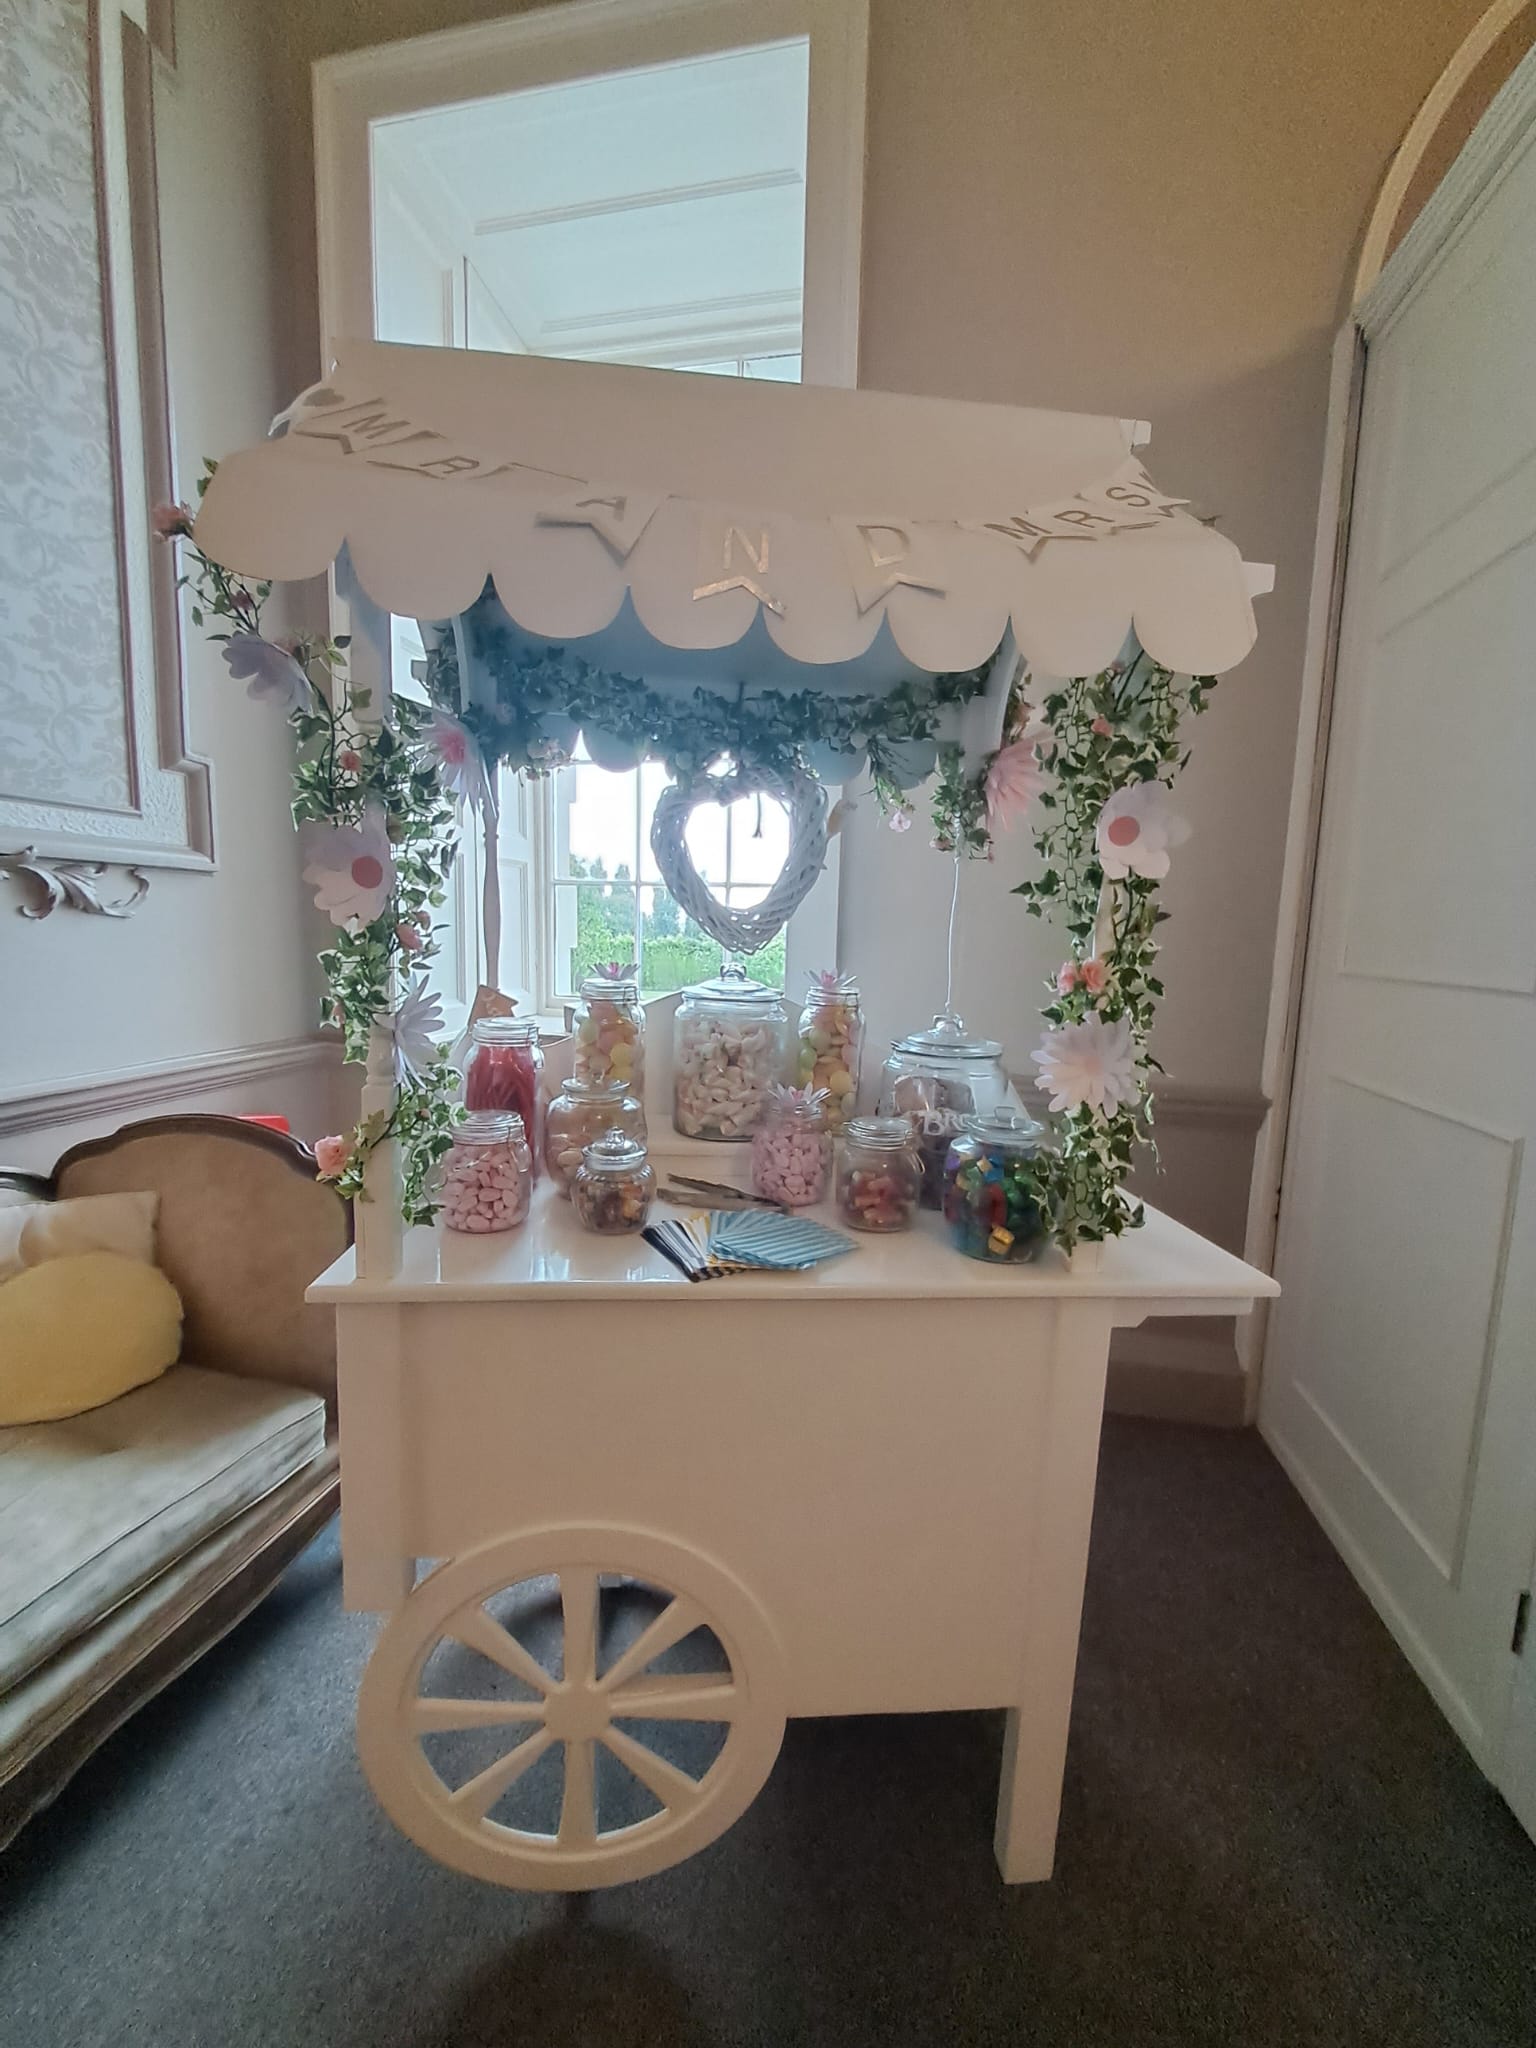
(377, 1570)
(1035, 1736)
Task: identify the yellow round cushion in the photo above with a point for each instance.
(77, 1332)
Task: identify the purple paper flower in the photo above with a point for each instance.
(268, 671)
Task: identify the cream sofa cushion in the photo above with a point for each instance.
(95, 1507)
(32, 1232)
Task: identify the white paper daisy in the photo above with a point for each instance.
(1092, 1062)
(350, 867)
(1135, 830)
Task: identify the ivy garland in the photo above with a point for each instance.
(346, 774)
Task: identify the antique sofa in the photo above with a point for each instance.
(134, 1536)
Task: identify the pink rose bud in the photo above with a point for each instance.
(409, 936)
(350, 761)
(331, 1155)
(1066, 980)
(1095, 976)
(1102, 727)
(900, 821)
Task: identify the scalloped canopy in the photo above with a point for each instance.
(650, 515)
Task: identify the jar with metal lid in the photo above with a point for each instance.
(831, 1043)
(935, 1079)
(792, 1147)
(728, 1049)
(487, 1174)
(613, 1186)
(578, 1115)
(502, 1073)
(879, 1173)
(993, 1200)
(608, 1026)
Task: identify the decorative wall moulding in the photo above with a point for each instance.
(102, 888)
(95, 761)
(137, 1091)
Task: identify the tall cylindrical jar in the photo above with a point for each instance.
(936, 1079)
(608, 1028)
(729, 1047)
(792, 1147)
(831, 1035)
(487, 1175)
(577, 1116)
(503, 1072)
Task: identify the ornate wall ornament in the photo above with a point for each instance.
(96, 886)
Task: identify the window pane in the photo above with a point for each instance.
(594, 923)
(653, 780)
(594, 822)
(759, 840)
(675, 952)
(706, 838)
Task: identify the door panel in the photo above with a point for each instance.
(1400, 1385)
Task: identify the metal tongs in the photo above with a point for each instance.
(683, 1191)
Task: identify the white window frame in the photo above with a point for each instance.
(575, 40)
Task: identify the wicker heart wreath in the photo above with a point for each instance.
(741, 931)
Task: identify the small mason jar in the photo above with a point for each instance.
(992, 1197)
(609, 1029)
(831, 1044)
(614, 1183)
(879, 1173)
(792, 1147)
(503, 1073)
(487, 1174)
(728, 1050)
(580, 1114)
(935, 1079)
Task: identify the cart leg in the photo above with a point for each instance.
(1035, 1737)
(376, 1572)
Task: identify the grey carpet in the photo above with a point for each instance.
(1269, 1836)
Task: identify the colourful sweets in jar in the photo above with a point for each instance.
(992, 1193)
(502, 1073)
(487, 1176)
(609, 1028)
(577, 1116)
(879, 1174)
(614, 1184)
(831, 1044)
(792, 1147)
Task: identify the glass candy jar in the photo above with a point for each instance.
(502, 1073)
(487, 1175)
(879, 1173)
(935, 1079)
(728, 1050)
(614, 1183)
(609, 1028)
(579, 1115)
(831, 1036)
(991, 1201)
(792, 1147)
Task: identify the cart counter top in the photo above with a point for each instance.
(1163, 1262)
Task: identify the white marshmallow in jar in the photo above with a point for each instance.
(608, 1029)
(487, 1176)
(729, 1047)
(792, 1147)
(577, 1116)
(831, 1044)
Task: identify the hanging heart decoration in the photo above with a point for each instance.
(748, 929)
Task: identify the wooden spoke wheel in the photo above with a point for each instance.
(541, 1684)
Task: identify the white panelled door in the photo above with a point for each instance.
(1400, 1385)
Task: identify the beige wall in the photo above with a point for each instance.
(215, 961)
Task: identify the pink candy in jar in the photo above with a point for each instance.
(791, 1147)
(487, 1175)
(502, 1073)
(879, 1174)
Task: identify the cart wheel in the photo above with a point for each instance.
(571, 1704)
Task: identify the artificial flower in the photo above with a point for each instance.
(349, 761)
(1066, 978)
(331, 1156)
(415, 1029)
(1102, 727)
(460, 763)
(900, 819)
(171, 522)
(1091, 1062)
(1014, 780)
(1093, 976)
(409, 936)
(268, 671)
(1135, 830)
(350, 867)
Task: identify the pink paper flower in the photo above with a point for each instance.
(350, 867)
(1135, 830)
(460, 761)
(331, 1156)
(900, 820)
(1014, 780)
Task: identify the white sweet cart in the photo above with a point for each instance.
(863, 1489)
